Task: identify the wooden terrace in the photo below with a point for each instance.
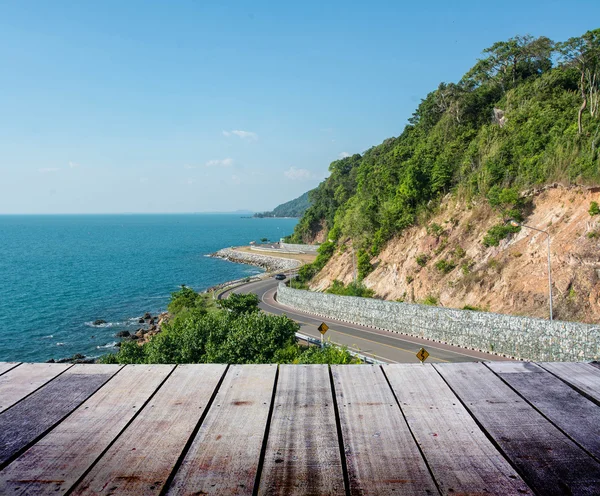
(452, 428)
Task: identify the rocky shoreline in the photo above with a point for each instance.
(150, 325)
(270, 264)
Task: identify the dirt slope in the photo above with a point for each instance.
(511, 278)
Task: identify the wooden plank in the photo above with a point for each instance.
(547, 460)
(223, 458)
(461, 457)
(571, 412)
(23, 380)
(22, 424)
(381, 454)
(143, 457)
(581, 376)
(6, 366)
(303, 453)
(55, 463)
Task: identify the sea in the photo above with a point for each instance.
(60, 273)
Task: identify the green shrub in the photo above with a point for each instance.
(186, 298)
(430, 300)
(409, 279)
(422, 259)
(239, 304)
(459, 253)
(352, 289)
(594, 208)
(498, 233)
(434, 229)
(445, 266)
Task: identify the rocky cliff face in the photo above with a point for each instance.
(511, 278)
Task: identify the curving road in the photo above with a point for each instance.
(383, 345)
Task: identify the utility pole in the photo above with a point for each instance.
(514, 223)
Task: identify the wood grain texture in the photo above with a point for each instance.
(302, 454)
(571, 412)
(461, 457)
(223, 458)
(142, 458)
(581, 376)
(23, 380)
(22, 424)
(381, 454)
(548, 460)
(55, 463)
(6, 366)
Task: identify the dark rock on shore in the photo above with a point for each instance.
(141, 321)
(76, 358)
(99, 322)
(123, 334)
(147, 316)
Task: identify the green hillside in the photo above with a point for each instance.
(293, 208)
(527, 113)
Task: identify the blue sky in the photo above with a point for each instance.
(188, 106)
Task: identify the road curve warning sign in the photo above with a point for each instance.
(323, 328)
(422, 354)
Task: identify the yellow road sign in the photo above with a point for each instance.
(422, 354)
(323, 328)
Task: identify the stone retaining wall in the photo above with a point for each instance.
(264, 261)
(519, 337)
(299, 248)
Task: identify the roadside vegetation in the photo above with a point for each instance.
(526, 114)
(234, 330)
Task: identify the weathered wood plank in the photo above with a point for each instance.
(571, 412)
(381, 454)
(581, 376)
(461, 457)
(55, 463)
(142, 458)
(547, 459)
(23, 380)
(303, 453)
(22, 424)
(223, 458)
(6, 366)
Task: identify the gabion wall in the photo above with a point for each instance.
(519, 337)
(304, 248)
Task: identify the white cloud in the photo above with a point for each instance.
(246, 135)
(48, 169)
(190, 181)
(344, 155)
(226, 162)
(187, 166)
(72, 165)
(298, 174)
(144, 179)
(236, 179)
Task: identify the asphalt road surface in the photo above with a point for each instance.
(382, 345)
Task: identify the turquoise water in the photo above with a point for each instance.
(60, 273)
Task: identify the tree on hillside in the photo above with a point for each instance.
(583, 53)
(509, 61)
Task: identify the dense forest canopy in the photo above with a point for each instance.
(525, 114)
(293, 208)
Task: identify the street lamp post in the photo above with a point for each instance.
(517, 224)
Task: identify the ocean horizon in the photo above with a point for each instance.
(61, 272)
